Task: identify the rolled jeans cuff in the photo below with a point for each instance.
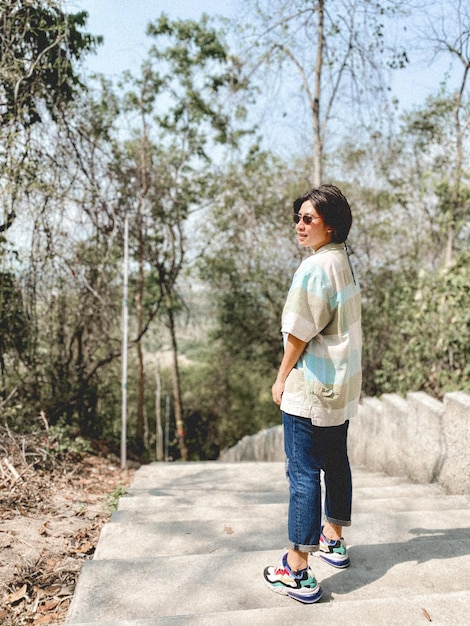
(338, 522)
(302, 548)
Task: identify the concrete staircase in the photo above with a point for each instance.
(189, 543)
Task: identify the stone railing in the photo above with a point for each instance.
(417, 437)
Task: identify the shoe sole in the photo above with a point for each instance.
(306, 600)
(283, 591)
(337, 564)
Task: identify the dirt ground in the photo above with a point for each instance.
(52, 508)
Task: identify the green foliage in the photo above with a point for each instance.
(39, 46)
(70, 333)
(250, 258)
(71, 178)
(232, 394)
(64, 440)
(185, 83)
(417, 331)
(202, 434)
(14, 327)
(428, 124)
(112, 498)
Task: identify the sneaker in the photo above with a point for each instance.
(334, 552)
(301, 586)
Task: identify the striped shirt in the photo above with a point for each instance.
(323, 308)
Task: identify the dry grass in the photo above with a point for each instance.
(52, 508)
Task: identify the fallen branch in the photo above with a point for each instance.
(12, 469)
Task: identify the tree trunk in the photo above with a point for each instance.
(317, 138)
(142, 439)
(180, 432)
(449, 252)
(140, 433)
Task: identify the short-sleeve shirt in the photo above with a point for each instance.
(323, 308)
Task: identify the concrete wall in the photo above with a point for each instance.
(417, 437)
(267, 445)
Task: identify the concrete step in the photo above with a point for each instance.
(136, 536)
(238, 477)
(444, 609)
(248, 477)
(196, 584)
(189, 543)
(154, 509)
(213, 498)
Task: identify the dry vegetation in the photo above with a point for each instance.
(53, 504)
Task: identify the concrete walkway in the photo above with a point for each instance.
(189, 543)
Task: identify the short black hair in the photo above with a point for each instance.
(330, 203)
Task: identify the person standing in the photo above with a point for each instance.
(318, 386)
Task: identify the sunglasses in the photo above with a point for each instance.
(306, 219)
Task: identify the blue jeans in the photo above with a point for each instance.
(309, 450)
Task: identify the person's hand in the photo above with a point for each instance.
(277, 390)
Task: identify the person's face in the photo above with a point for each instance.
(313, 235)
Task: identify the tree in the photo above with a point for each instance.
(337, 48)
(181, 100)
(14, 329)
(413, 325)
(445, 30)
(65, 266)
(40, 46)
(247, 257)
(240, 257)
(416, 331)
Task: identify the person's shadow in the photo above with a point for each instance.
(369, 563)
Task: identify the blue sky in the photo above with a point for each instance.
(123, 22)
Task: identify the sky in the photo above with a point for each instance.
(122, 23)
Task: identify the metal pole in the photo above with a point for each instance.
(167, 426)
(158, 413)
(125, 323)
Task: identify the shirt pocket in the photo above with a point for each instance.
(320, 395)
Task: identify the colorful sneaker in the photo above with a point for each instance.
(301, 586)
(333, 552)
